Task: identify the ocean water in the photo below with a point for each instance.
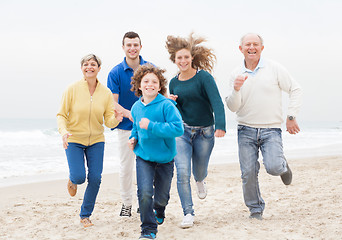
(31, 149)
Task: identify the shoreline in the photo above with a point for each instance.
(42, 178)
(44, 210)
(218, 158)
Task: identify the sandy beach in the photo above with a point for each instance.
(310, 208)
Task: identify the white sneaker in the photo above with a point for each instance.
(201, 189)
(188, 221)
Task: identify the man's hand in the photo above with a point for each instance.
(239, 81)
(127, 114)
(292, 126)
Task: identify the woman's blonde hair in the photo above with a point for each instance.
(91, 56)
(141, 71)
(203, 57)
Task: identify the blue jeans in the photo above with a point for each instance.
(77, 172)
(194, 146)
(269, 141)
(154, 183)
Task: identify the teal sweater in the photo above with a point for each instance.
(199, 101)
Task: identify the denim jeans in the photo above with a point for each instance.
(194, 146)
(269, 141)
(77, 172)
(154, 183)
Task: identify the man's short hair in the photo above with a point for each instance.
(130, 35)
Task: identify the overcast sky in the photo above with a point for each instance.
(42, 43)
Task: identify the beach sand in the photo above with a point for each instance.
(309, 208)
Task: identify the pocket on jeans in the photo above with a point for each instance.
(208, 132)
(240, 127)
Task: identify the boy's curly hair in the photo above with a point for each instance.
(204, 58)
(141, 71)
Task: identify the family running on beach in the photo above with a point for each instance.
(160, 130)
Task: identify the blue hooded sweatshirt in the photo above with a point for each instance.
(158, 142)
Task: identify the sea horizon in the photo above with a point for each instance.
(31, 149)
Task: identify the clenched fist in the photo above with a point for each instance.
(239, 81)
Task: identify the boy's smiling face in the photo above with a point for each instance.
(149, 86)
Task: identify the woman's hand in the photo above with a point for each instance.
(131, 143)
(173, 97)
(65, 140)
(118, 115)
(219, 133)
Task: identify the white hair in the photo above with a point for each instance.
(243, 37)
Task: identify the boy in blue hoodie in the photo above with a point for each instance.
(156, 124)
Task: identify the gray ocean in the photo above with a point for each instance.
(31, 149)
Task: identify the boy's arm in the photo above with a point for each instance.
(173, 125)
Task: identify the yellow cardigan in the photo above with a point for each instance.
(82, 115)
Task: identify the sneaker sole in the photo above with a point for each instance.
(186, 226)
(86, 224)
(201, 197)
(159, 222)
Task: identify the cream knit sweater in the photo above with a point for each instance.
(258, 104)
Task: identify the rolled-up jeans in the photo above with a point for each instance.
(269, 141)
(77, 154)
(194, 146)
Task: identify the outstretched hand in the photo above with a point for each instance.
(173, 97)
(127, 114)
(118, 115)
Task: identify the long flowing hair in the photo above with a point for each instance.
(203, 57)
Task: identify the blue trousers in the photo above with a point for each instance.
(77, 172)
(194, 148)
(269, 142)
(154, 183)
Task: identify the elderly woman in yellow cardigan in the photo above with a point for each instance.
(85, 106)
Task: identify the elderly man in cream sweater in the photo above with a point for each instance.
(256, 97)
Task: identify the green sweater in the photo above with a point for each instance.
(198, 98)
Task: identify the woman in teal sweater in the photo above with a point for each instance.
(199, 102)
